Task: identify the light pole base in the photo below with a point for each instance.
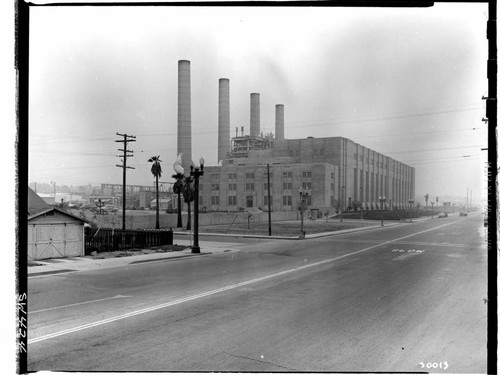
(195, 249)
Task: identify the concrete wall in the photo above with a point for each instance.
(170, 220)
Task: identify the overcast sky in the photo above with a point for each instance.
(404, 82)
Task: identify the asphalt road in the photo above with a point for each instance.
(406, 298)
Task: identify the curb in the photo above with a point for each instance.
(168, 258)
(49, 272)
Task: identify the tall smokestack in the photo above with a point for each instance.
(280, 121)
(184, 114)
(254, 114)
(224, 132)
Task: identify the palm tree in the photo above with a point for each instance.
(156, 171)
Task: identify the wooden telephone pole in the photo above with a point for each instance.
(126, 154)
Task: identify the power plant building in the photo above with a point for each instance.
(338, 173)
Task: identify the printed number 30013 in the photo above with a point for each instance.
(429, 365)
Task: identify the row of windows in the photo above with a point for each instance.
(250, 186)
(287, 200)
(317, 151)
(250, 176)
(232, 200)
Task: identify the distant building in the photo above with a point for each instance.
(138, 196)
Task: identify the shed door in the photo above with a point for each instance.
(55, 240)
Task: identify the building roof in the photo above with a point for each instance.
(36, 204)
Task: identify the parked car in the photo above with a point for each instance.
(462, 214)
(109, 208)
(442, 214)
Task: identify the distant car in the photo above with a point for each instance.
(462, 214)
(109, 208)
(443, 214)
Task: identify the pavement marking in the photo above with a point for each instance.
(77, 304)
(215, 291)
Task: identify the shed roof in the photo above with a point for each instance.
(35, 202)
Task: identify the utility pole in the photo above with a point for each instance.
(126, 154)
(269, 198)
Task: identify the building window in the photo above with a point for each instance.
(287, 200)
(270, 175)
(232, 187)
(307, 185)
(214, 176)
(332, 201)
(266, 200)
(287, 186)
(215, 200)
(287, 174)
(308, 200)
(250, 186)
(231, 200)
(265, 186)
(332, 175)
(332, 186)
(250, 176)
(214, 187)
(231, 176)
(249, 201)
(306, 174)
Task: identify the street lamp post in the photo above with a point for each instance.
(361, 201)
(179, 178)
(196, 172)
(303, 196)
(382, 202)
(342, 197)
(178, 187)
(411, 201)
(432, 209)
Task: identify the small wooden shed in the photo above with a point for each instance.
(53, 233)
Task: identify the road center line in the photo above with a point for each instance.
(215, 291)
(76, 304)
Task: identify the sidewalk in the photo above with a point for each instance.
(88, 263)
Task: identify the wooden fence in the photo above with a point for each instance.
(108, 239)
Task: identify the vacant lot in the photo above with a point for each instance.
(286, 228)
